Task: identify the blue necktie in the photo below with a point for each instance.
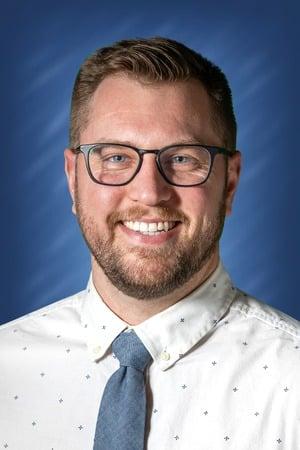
(122, 414)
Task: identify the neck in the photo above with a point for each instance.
(134, 311)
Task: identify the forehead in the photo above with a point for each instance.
(125, 108)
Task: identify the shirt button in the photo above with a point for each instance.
(97, 350)
(165, 356)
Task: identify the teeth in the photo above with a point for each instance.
(144, 226)
(152, 227)
(149, 228)
(134, 226)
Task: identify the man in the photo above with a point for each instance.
(152, 170)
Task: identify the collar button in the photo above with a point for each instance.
(165, 356)
(97, 350)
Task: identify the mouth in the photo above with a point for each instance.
(150, 228)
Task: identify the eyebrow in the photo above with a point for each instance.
(184, 141)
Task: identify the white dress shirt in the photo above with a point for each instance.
(225, 373)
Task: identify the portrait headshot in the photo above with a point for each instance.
(149, 297)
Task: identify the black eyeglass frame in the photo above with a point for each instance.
(212, 150)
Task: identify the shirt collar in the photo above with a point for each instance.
(168, 335)
(101, 325)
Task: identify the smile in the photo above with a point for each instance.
(151, 229)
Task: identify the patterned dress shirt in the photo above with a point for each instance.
(225, 373)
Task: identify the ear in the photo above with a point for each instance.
(70, 171)
(233, 176)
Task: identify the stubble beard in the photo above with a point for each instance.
(150, 273)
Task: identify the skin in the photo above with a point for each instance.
(151, 116)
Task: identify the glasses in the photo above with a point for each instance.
(183, 165)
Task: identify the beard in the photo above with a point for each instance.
(149, 273)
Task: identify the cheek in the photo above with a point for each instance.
(97, 201)
(201, 205)
(195, 203)
(102, 201)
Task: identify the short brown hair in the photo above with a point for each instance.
(153, 60)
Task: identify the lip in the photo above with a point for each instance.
(152, 220)
(138, 238)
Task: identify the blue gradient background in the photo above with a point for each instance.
(44, 257)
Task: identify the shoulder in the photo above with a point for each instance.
(265, 316)
(271, 336)
(66, 308)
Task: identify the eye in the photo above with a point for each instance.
(117, 158)
(180, 159)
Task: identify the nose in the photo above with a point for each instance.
(149, 187)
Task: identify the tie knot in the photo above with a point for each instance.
(130, 351)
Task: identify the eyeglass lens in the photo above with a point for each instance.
(180, 165)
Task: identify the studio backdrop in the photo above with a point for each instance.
(44, 257)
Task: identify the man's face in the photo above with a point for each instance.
(151, 265)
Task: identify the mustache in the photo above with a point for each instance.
(166, 214)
